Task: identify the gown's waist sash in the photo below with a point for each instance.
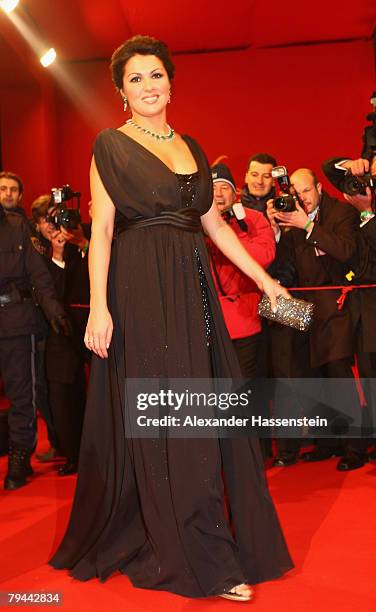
(186, 219)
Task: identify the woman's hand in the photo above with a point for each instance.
(99, 331)
(272, 289)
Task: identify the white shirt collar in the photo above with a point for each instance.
(313, 214)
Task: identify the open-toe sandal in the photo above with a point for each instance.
(234, 596)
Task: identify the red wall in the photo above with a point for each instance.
(301, 103)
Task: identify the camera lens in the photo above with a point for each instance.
(284, 203)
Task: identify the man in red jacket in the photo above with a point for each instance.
(238, 294)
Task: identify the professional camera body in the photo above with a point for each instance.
(354, 185)
(369, 134)
(61, 215)
(286, 202)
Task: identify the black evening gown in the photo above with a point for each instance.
(154, 508)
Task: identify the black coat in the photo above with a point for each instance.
(322, 260)
(250, 201)
(67, 354)
(335, 176)
(23, 269)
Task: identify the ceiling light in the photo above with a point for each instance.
(48, 57)
(8, 5)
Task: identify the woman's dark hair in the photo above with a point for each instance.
(139, 45)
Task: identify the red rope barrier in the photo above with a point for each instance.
(345, 289)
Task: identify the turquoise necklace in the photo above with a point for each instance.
(156, 135)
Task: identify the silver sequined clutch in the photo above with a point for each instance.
(292, 312)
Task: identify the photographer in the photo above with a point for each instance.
(340, 170)
(66, 357)
(22, 272)
(238, 295)
(41, 236)
(362, 302)
(259, 187)
(320, 240)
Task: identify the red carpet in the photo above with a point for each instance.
(329, 520)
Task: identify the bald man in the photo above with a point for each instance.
(320, 241)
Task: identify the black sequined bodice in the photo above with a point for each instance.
(188, 187)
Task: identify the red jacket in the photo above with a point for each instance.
(239, 306)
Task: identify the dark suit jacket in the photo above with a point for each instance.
(363, 301)
(335, 176)
(322, 260)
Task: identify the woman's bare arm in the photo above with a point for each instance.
(227, 241)
(99, 327)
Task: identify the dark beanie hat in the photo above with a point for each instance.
(221, 172)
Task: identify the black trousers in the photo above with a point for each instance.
(341, 368)
(366, 363)
(42, 400)
(68, 407)
(17, 370)
(291, 359)
(252, 356)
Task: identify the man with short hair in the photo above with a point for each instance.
(11, 190)
(238, 295)
(320, 241)
(363, 270)
(259, 187)
(22, 271)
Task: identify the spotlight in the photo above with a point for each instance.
(8, 5)
(48, 57)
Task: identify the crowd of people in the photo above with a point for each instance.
(324, 242)
(177, 254)
(44, 299)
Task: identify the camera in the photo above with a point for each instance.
(61, 215)
(354, 185)
(287, 201)
(369, 134)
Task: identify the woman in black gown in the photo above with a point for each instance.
(154, 508)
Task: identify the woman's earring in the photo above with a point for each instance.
(125, 102)
(169, 97)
